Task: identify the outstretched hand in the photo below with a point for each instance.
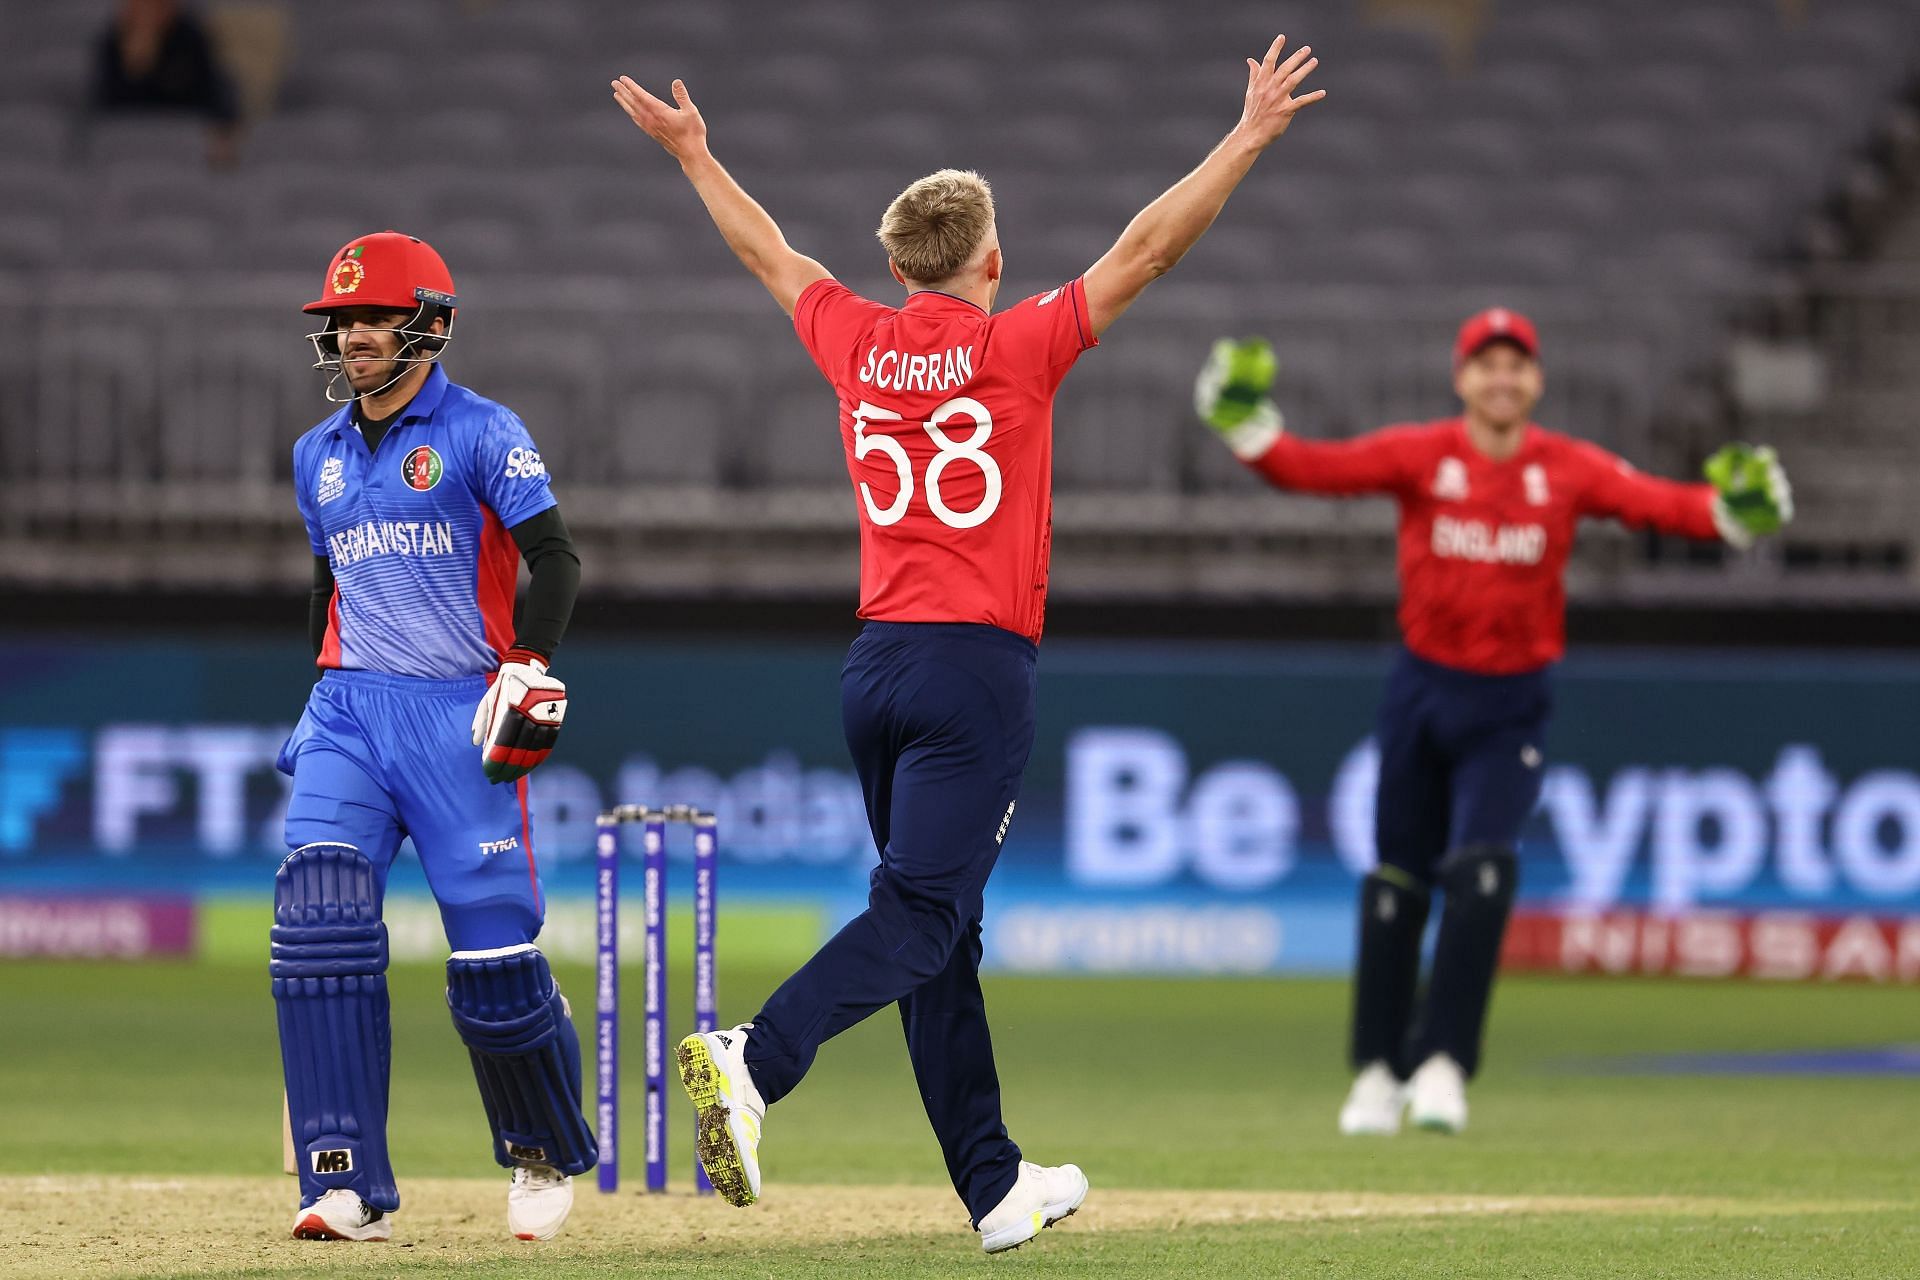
(754, 237)
(1752, 497)
(1235, 383)
(1233, 395)
(1270, 105)
(677, 127)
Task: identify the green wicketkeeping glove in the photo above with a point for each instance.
(1752, 496)
(1231, 394)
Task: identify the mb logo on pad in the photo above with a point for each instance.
(336, 1161)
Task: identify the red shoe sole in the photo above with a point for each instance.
(314, 1227)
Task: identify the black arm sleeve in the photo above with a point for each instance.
(319, 604)
(548, 550)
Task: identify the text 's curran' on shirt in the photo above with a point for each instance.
(946, 415)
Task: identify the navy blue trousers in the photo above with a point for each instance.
(1460, 761)
(939, 718)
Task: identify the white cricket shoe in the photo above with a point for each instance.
(1437, 1095)
(538, 1202)
(728, 1111)
(341, 1215)
(1374, 1104)
(1040, 1197)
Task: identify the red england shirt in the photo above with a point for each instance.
(946, 415)
(1483, 545)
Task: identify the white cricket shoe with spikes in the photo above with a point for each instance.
(341, 1215)
(728, 1109)
(538, 1202)
(1041, 1196)
(1374, 1103)
(1437, 1095)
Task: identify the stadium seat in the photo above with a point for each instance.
(1667, 151)
(155, 244)
(794, 438)
(36, 133)
(677, 409)
(29, 241)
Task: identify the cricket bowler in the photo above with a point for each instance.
(1489, 502)
(420, 499)
(946, 412)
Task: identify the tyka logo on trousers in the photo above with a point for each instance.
(491, 847)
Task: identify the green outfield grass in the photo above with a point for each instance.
(1204, 1087)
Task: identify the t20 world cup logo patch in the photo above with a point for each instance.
(421, 468)
(333, 481)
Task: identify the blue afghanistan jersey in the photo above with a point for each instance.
(416, 531)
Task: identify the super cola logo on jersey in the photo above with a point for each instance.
(525, 464)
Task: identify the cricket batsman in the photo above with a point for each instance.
(946, 413)
(1488, 503)
(420, 499)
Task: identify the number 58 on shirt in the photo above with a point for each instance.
(970, 450)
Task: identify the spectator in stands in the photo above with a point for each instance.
(155, 56)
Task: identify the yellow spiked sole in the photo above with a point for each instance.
(1040, 1223)
(719, 1155)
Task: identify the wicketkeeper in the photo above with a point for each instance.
(421, 498)
(1489, 502)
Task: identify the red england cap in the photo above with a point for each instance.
(1495, 324)
(386, 269)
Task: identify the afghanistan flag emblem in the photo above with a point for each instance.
(421, 468)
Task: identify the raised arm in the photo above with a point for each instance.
(1161, 233)
(1375, 463)
(749, 230)
(1231, 395)
(1746, 496)
(1615, 491)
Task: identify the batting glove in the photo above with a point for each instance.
(1751, 495)
(1230, 395)
(518, 721)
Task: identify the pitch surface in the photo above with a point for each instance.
(141, 1108)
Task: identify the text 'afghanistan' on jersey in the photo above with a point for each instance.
(416, 531)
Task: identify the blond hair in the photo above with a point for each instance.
(932, 229)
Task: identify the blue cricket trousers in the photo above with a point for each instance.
(1460, 761)
(377, 758)
(939, 718)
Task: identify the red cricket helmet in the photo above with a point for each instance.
(1495, 324)
(393, 272)
(386, 269)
